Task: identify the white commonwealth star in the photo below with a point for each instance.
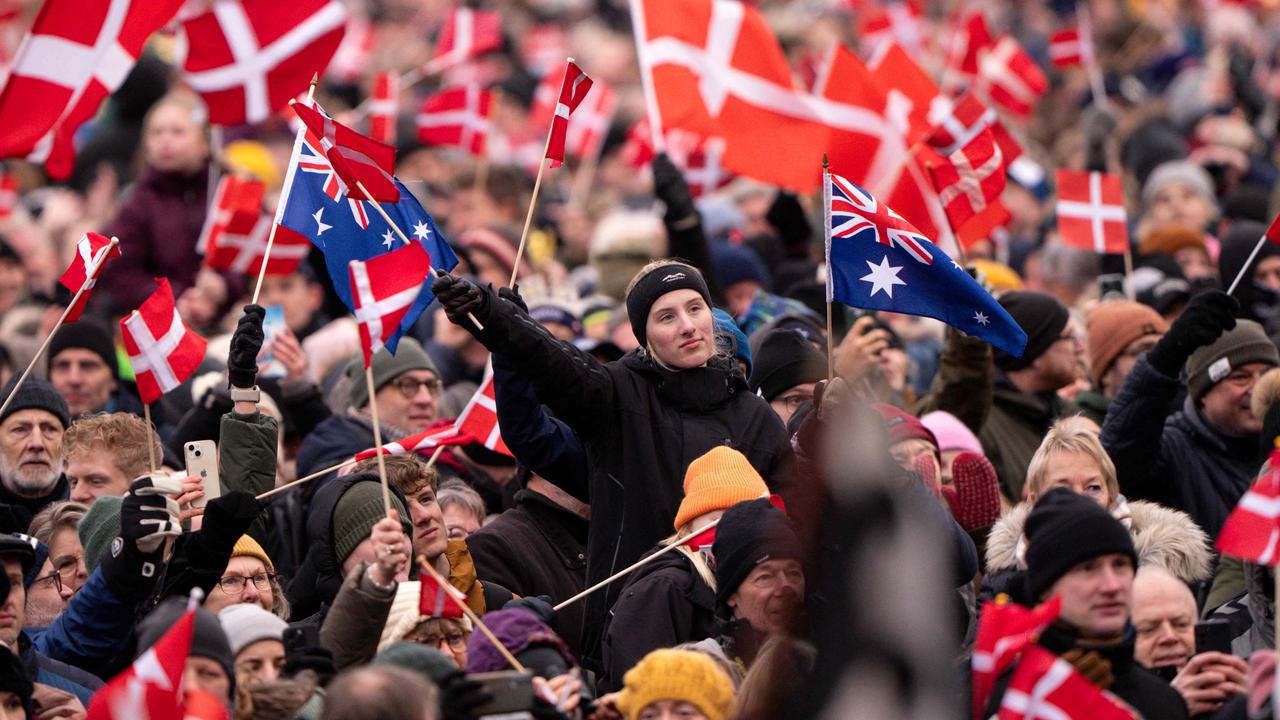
(387, 239)
(321, 226)
(956, 265)
(882, 277)
(980, 318)
(421, 231)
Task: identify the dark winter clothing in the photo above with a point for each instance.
(26, 508)
(1179, 460)
(543, 444)
(93, 629)
(537, 548)
(1041, 316)
(335, 440)
(656, 283)
(1065, 529)
(56, 674)
(1014, 429)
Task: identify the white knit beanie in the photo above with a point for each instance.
(247, 623)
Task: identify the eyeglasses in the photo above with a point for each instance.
(57, 581)
(457, 641)
(234, 584)
(68, 567)
(408, 386)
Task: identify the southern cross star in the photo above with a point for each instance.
(882, 277)
(421, 231)
(321, 225)
(387, 239)
(980, 318)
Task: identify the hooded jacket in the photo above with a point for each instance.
(1179, 460)
(642, 425)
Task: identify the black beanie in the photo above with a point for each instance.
(750, 533)
(1041, 316)
(88, 335)
(658, 282)
(14, 679)
(35, 394)
(208, 640)
(1065, 529)
(784, 359)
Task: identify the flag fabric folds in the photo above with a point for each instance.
(1045, 686)
(466, 34)
(439, 601)
(92, 252)
(1004, 629)
(354, 157)
(573, 89)
(236, 231)
(385, 288)
(422, 442)
(162, 350)
(970, 178)
(1252, 530)
(456, 117)
(152, 686)
(479, 418)
(383, 107)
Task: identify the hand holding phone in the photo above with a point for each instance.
(202, 463)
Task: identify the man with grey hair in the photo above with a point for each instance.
(381, 692)
(31, 431)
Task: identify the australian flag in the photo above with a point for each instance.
(879, 261)
(314, 207)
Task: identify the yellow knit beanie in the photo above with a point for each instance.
(248, 547)
(682, 675)
(718, 480)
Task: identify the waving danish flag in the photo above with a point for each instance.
(573, 89)
(699, 158)
(479, 418)
(466, 34)
(970, 36)
(1252, 530)
(422, 442)
(439, 601)
(383, 108)
(1010, 77)
(75, 55)
(1068, 48)
(457, 117)
(384, 288)
(900, 22)
(1004, 629)
(586, 134)
(248, 58)
(1091, 212)
(356, 159)
(1046, 687)
(236, 230)
(92, 252)
(969, 118)
(152, 686)
(161, 349)
(970, 178)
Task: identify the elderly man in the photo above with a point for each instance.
(1164, 613)
(31, 431)
(102, 454)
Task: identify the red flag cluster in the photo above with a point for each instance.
(236, 230)
(355, 158)
(456, 117)
(466, 34)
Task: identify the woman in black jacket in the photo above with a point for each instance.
(643, 418)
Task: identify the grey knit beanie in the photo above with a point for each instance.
(386, 367)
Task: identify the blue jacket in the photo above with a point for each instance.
(540, 442)
(61, 676)
(92, 630)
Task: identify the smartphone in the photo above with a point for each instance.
(511, 692)
(1213, 635)
(272, 326)
(202, 462)
(1111, 287)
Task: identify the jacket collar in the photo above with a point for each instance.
(697, 389)
(1234, 447)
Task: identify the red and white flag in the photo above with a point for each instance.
(75, 55)
(542, 47)
(236, 231)
(970, 36)
(161, 349)
(466, 34)
(356, 158)
(351, 59)
(1252, 530)
(1046, 687)
(966, 120)
(1068, 48)
(1010, 77)
(699, 158)
(1091, 212)
(573, 89)
(479, 418)
(384, 288)
(586, 134)
(383, 110)
(456, 117)
(150, 688)
(439, 601)
(986, 225)
(1004, 629)
(92, 252)
(248, 58)
(970, 178)
(421, 443)
(9, 195)
(901, 22)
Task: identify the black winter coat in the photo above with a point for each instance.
(663, 604)
(642, 425)
(536, 548)
(1178, 460)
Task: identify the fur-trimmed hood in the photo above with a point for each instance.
(1163, 537)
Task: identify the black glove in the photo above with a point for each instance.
(459, 296)
(460, 696)
(148, 515)
(512, 295)
(226, 519)
(670, 187)
(788, 218)
(303, 651)
(1207, 316)
(539, 605)
(246, 343)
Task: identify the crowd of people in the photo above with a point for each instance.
(795, 516)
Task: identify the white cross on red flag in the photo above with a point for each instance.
(356, 158)
(466, 34)
(699, 158)
(92, 252)
(1091, 212)
(456, 117)
(248, 58)
(1004, 629)
(75, 55)
(479, 418)
(1046, 687)
(970, 178)
(161, 349)
(968, 118)
(236, 231)
(439, 601)
(573, 89)
(1252, 530)
(425, 441)
(150, 688)
(384, 288)
(900, 22)
(1068, 48)
(1010, 77)
(383, 107)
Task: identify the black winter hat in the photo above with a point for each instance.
(208, 640)
(784, 359)
(659, 281)
(750, 533)
(1041, 316)
(88, 335)
(23, 547)
(1065, 529)
(14, 679)
(35, 394)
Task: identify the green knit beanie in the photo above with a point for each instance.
(355, 514)
(99, 526)
(386, 367)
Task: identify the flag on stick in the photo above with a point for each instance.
(386, 289)
(152, 686)
(1252, 530)
(573, 89)
(354, 157)
(92, 253)
(1091, 212)
(161, 349)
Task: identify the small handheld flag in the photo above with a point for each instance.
(573, 89)
(385, 289)
(92, 252)
(162, 350)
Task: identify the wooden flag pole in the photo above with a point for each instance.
(1130, 290)
(377, 439)
(308, 478)
(151, 447)
(537, 185)
(62, 319)
(826, 232)
(639, 563)
(434, 271)
(475, 619)
(1247, 264)
(271, 236)
(435, 455)
(652, 112)
(1097, 86)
